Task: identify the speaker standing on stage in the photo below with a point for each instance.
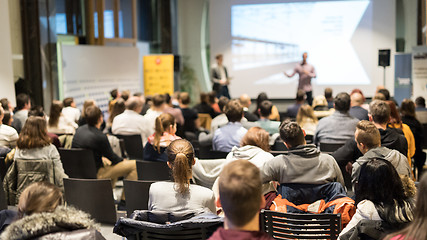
(306, 72)
(220, 78)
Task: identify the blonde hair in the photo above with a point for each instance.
(304, 112)
(181, 157)
(163, 122)
(39, 197)
(256, 136)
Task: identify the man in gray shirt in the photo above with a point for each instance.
(303, 163)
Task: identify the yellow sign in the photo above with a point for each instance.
(158, 74)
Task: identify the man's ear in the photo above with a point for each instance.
(169, 164)
(287, 146)
(218, 203)
(370, 118)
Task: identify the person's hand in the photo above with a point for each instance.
(306, 72)
(106, 162)
(222, 81)
(286, 74)
(349, 167)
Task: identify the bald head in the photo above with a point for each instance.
(356, 99)
(245, 100)
(134, 103)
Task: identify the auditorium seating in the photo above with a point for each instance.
(152, 171)
(78, 163)
(133, 146)
(329, 147)
(136, 193)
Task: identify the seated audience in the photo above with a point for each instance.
(340, 126)
(303, 163)
(264, 111)
(245, 100)
(23, 105)
(380, 196)
(307, 120)
(379, 96)
(417, 228)
(421, 110)
(213, 101)
(191, 120)
(275, 116)
(364, 104)
(108, 164)
(329, 97)
(180, 195)
(175, 112)
(228, 136)
(41, 212)
(7, 118)
(221, 119)
(58, 123)
(396, 122)
(407, 110)
(164, 134)
(36, 158)
(356, 110)
(299, 101)
(38, 111)
(115, 95)
(156, 109)
(125, 95)
(204, 106)
(379, 114)
(118, 108)
(8, 135)
(130, 122)
(70, 111)
(241, 198)
(320, 107)
(368, 141)
(6, 104)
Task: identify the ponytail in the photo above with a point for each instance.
(181, 169)
(158, 133)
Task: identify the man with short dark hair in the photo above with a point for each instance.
(299, 101)
(329, 98)
(264, 112)
(191, 119)
(108, 164)
(338, 127)
(69, 110)
(23, 105)
(303, 163)
(241, 198)
(421, 110)
(8, 135)
(228, 136)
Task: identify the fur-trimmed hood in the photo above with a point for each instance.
(39, 224)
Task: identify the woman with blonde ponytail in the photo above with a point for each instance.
(180, 195)
(165, 129)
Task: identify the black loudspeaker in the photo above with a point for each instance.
(176, 63)
(384, 57)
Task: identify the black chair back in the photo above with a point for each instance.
(136, 193)
(133, 146)
(3, 202)
(208, 153)
(279, 145)
(94, 196)
(309, 139)
(78, 163)
(300, 226)
(330, 147)
(152, 171)
(3, 168)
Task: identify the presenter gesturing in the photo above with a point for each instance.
(306, 72)
(220, 78)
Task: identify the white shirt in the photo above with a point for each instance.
(65, 126)
(365, 210)
(72, 114)
(8, 136)
(130, 123)
(150, 120)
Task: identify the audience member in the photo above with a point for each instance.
(368, 140)
(23, 104)
(421, 110)
(70, 111)
(191, 120)
(115, 95)
(8, 135)
(180, 195)
(41, 212)
(307, 120)
(130, 122)
(391, 138)
(240, 196)
(364, 104)
(379, 96)
(320, 107)
(340, 126)
(108, 164)
(6, 104)
(118, 108)
(245, 100)
(303, 163)
(156, 109)
(38, 111)
(264, 111)
(146, 100)
(299, 101)
(356, 110)
(329, 97)
(228, 136)
(396, 122)
(7, 118)
(58, 123)
(380, 196)
(213, 101)
(204, 106)
(36, 158)
(158, 142)
(175, 112)
(384, 92)
(274, 112)
(221, 119)
(407, 110)
(417, 228)
(125, 95)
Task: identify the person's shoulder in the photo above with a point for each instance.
(200, 189)
(162, 186)
(8, 129)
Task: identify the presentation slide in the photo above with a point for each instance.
(268, 39)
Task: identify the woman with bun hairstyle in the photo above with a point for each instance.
(165, 133)
(181, 195)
